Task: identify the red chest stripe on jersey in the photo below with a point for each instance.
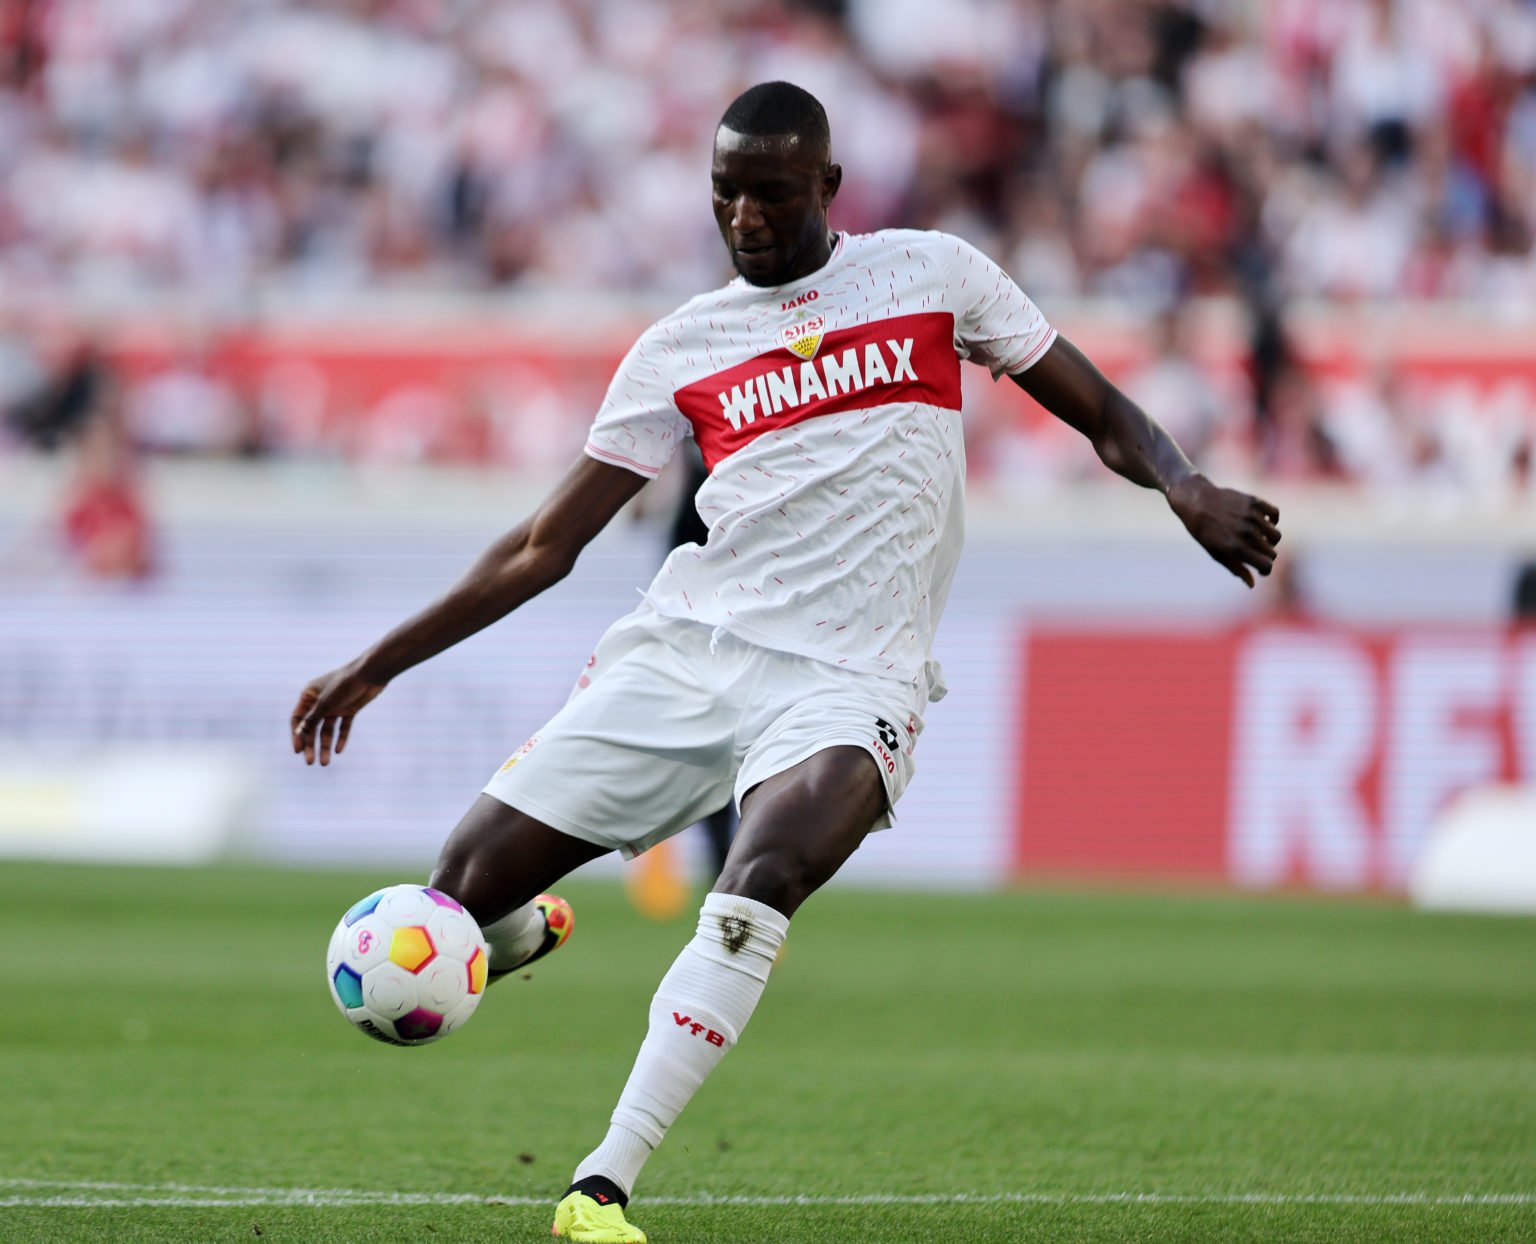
(908, 358)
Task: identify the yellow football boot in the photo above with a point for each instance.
(581, 1218)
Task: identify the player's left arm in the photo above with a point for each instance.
(1238, 530)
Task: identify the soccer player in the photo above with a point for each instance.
(785, 662)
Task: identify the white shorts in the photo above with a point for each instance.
(671, 719)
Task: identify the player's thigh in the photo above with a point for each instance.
(830, 759)
(644, 750)
(799, 826)
(499, 858)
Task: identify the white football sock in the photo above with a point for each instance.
(700, 1008)
(514, 937)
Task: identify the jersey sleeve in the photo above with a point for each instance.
(638, 425)
(996, 324)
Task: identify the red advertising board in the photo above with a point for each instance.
(1269, 756)
(476, 388)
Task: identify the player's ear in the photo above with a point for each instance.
(831, 180)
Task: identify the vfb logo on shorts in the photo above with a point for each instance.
(885, 742)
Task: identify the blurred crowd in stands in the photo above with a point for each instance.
(1136, 148)
(1143, 152)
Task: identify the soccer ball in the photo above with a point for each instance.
(407, 965)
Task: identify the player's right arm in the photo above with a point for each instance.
(533, 556)
(1000, 327)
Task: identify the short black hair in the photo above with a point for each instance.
(770, 109)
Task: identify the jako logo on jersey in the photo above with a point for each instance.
(810, 295)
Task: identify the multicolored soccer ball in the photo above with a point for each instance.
(407, 965)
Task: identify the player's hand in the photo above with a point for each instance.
(322, 719)
(1238, 530)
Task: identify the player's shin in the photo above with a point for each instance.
(699, 1011)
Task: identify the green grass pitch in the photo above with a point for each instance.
(1084, 1067)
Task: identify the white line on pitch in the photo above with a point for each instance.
(192, 1196)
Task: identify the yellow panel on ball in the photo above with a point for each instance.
(411, 948)
(477, 967)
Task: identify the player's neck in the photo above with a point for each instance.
(814, 259)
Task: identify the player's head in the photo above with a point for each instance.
(773, 179)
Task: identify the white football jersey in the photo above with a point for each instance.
(828, 412)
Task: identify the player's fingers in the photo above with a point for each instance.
(1268, 530)
(327, 738)
(315, 725)
(298, 720)
(1267, 510)
(1241, 571)
(341, 735)
(1262, 562)
(304, 738)
(1258, 553)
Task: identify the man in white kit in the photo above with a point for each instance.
(786, 662)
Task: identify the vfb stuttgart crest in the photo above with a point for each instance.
(804, 338)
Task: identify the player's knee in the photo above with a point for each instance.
(780, 879)
(497, 859)
(459, 877)
(448, 877)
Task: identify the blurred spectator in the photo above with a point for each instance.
(213, 145)
(1284, 596)
(106, 526)
(1174, 385)
(187, 408)
(1298, 445)
(1376, 438)
(1522, 601)
(62, 395)
(21, 376)
(240, 155)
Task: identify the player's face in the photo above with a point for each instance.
(770, 201)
